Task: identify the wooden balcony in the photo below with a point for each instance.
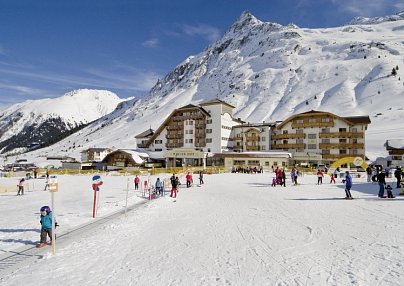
(288, 146)
(186, 117)
(174, 127)
(252, 148)
(312, 124)
(288, 136)
(341, 134)
(339, 156)
(341, 146)
(174, 145)
(253, 139)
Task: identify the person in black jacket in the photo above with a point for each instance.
(398, 175)
(381, 179)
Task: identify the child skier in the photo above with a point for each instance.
(348, 185)
(188, 177)
(136, 181)
(332, 179)
(46, 223)
(389, 192)
(21, 185)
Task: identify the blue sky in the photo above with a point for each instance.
(50, 47)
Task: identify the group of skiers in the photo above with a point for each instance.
(373, 174)
(174, 181)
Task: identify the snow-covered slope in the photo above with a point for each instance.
(270, 72)
(39, 120)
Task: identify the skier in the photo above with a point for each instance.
(46, 225)
(21, 185)
(348, 185)
(174, 186)
(389, 192)
(369, 174)
(398, 175)
(381, 179)
(201, 177)
(320, 176)
(159, 186)
(283, 177)
(332, 179)
(188, 177)
(136, 181)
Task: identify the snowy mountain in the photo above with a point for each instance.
(46, 121)
(270, 72)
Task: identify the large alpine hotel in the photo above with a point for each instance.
(207, 134)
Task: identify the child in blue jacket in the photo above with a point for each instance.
(46, 223)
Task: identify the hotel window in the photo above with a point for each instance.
(285, 132)
(325, 119)
(209, 140)
(263, 139)
(209, 121)
(343, 152)
(342, 140)
(158, 141)
(189, 140)
(208, 130)
(342, 130)
(312, 146)
(189, 131)
(312, 120)
(263, 148)
(299, 131)
(326, 152)
(325, 130)
(299, 121)
(312, 136)
(354, 130)
(325, 140)
(299, 141)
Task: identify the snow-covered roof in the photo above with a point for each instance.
(395, 144)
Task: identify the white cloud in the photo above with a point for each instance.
(208, 32)
(25, 90)
(151, 43)
(369, 8)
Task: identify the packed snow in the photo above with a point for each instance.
(235, 229)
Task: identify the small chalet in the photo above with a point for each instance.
(95, 154)
(124, 158)
(396, 151)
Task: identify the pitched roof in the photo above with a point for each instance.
(358, 119)
(352, 120)
(147, 133)
(216, 101)
(394, 144)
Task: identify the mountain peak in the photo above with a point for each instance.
(377, 20)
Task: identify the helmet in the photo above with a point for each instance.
(45, 209)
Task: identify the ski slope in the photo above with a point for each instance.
(234, 230)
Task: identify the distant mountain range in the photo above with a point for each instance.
(270, 72)
(39, 123)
